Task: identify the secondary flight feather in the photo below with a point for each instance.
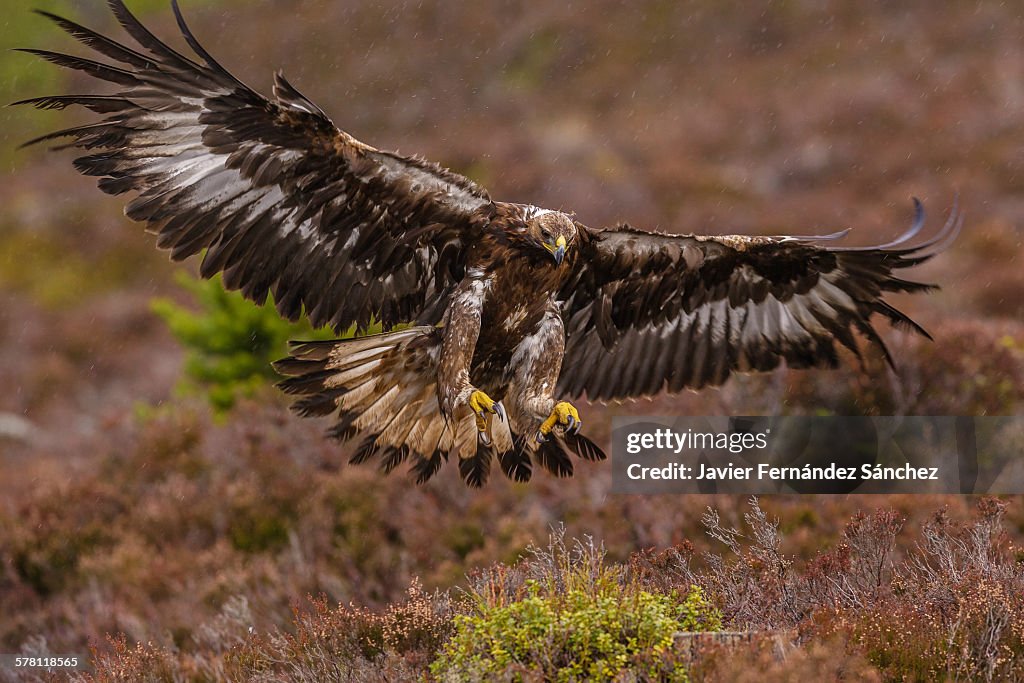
(511, 309)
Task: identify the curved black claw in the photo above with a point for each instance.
(483, 438)
(570, 422)
(574, 428)
(540, 437)
(499, 410)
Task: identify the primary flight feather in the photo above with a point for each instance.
(512, 308)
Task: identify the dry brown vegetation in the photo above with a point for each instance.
(945, 603)
(135, 521)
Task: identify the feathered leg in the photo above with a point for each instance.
(536, 414)
(455, 393)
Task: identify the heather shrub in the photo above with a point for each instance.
(957, 605)
(758, 586)
(323, 642)
(952, 608)
(47, 548)
(122, 661)
(972, 367)
(975, 368)
(350, 642)
(773, 659)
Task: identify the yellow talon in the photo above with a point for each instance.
(481, 404)
(565, 414)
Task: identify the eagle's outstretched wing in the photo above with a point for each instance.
(646, 312)
(281, 200)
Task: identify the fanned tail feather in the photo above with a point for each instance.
(383, 390)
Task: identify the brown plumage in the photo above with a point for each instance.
(503, 300)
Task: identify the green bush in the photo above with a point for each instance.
(230, 341)
(579, 635)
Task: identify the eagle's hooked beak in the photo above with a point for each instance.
(558, 250)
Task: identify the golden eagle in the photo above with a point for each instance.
(513, 308)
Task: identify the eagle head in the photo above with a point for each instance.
(554, 231)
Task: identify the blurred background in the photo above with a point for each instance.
(150, 473)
